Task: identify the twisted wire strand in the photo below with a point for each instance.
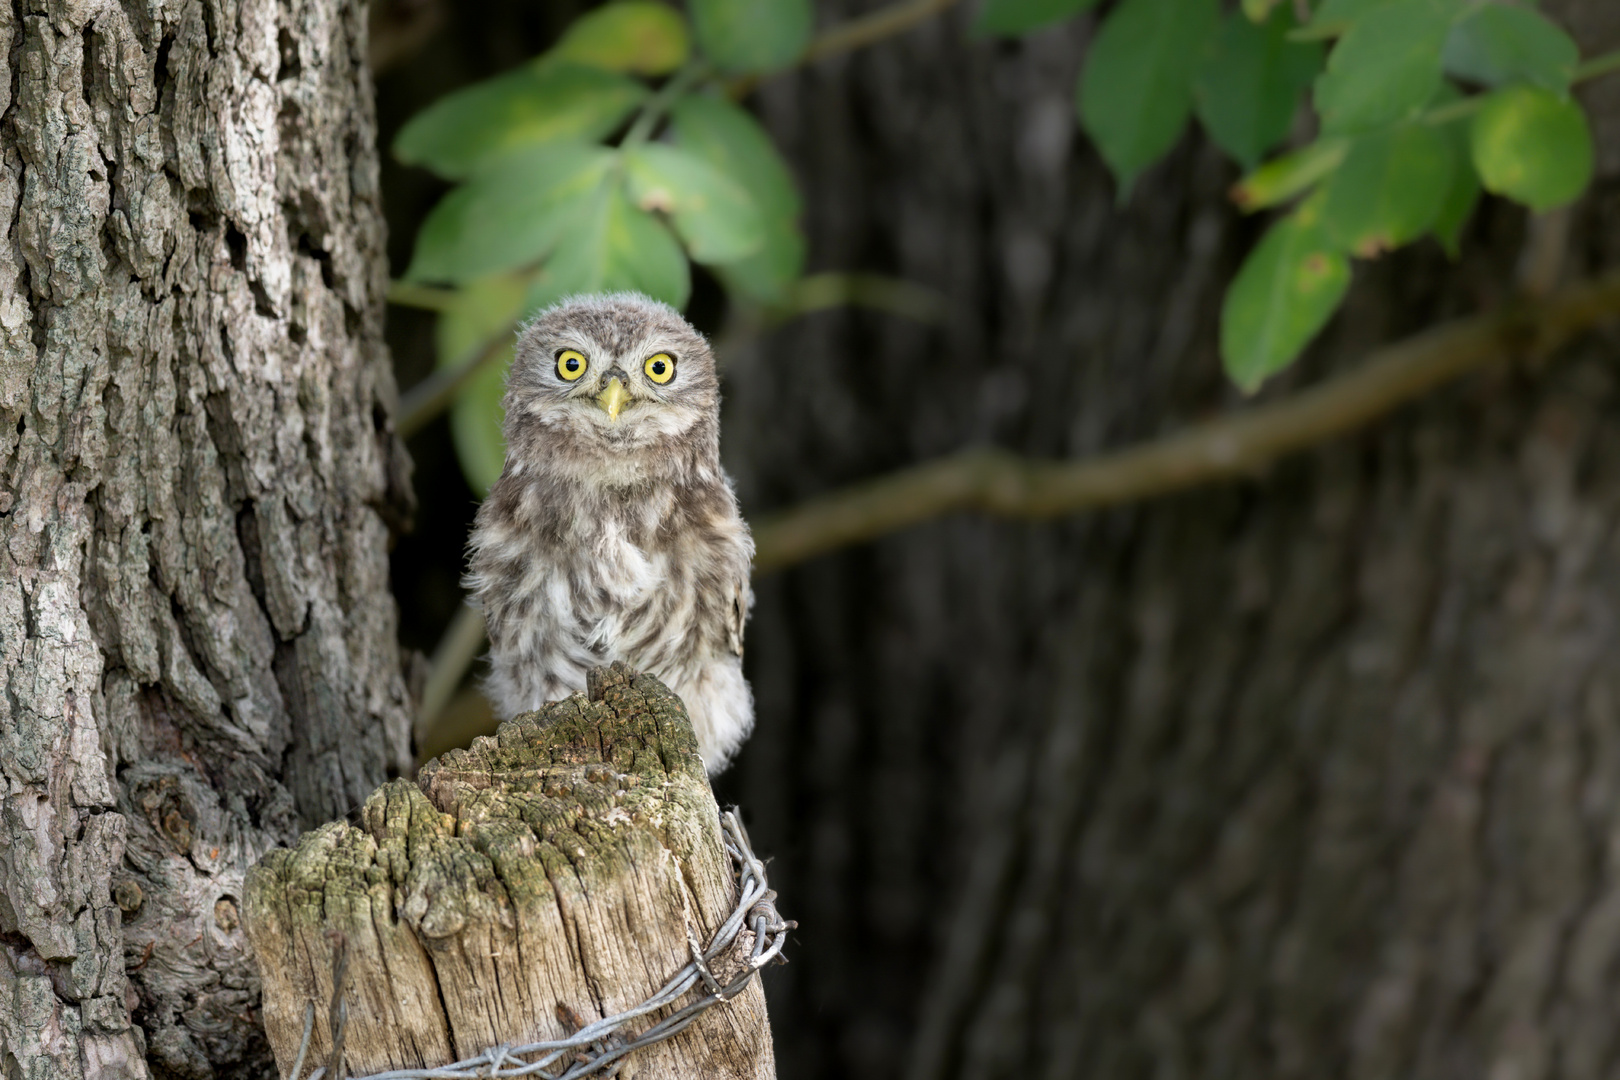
(598, 1045)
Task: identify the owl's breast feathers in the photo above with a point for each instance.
(572, 575)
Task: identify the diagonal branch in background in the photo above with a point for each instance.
(852, 34)
(1001, 484)
(873, 27)
(430, 397)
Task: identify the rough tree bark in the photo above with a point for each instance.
(197, 482)
(1312, 776)
(561, 864)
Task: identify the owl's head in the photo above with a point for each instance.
(616, 373)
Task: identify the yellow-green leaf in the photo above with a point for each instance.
(480, 310)
(729, 139)
(611, 245)
(1532, 146)
(644, 37)
(473, 128)
(1286, 291)
(752, 35)
(509, 216)
(712, 214)
(1290, 175)
(1389, 190)
(1386, 67)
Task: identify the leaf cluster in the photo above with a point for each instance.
(612, 161)
(1401, 111)
(616, 160)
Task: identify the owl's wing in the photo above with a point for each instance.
(742, 598)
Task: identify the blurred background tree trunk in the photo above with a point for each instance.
(1314, 775)
(197, 643)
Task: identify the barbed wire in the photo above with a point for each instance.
(599, 1046)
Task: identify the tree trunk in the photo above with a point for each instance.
(1311, 776)
(545, 879)
(199, 478)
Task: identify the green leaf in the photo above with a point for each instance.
(482, 309)
(1334, 17)
(1249, 83)
(509, 216)
(1385, 68)
(1012, 18)
(644, 37)
(1389, 189)
(1463, 192)
(1136, 89)
(750, 35)
(610, 245)
(1494, 45)
(1462, 195)
(1257, 11)
(1282, 178)
(711, 213)
(1286, 291)
(1532, 146)
(732, 141)
(465, 132)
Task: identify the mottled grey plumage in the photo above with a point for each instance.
(613, 533)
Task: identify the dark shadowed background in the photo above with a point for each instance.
(1316, 774)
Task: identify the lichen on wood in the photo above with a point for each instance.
(553, 869)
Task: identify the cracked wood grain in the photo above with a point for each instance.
(197, 483)
(553, 867)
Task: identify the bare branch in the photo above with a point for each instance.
(430, 397)
(995, 482)
(871, 28)
(858, 33)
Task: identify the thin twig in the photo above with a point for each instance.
(877, 292)
(412, 294)
(857, 33)
(1602, 64)
(871, 28)
(454, 654)
(430, 397)
(1001, 484)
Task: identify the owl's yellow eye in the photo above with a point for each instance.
(570, 364)
(660, 368)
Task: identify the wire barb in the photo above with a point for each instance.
(597, 1049)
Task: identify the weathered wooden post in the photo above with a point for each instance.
(555, 874)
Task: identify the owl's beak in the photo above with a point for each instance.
(612, 398)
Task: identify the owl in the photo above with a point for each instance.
(613, 533)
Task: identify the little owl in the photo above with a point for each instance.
(613, 533)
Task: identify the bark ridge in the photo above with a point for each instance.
(198, 480)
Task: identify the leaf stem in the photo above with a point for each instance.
(1000, 484)
(1602, 64)
(427, 297)
(1460, 109)
(430, 397)
(660, 103)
